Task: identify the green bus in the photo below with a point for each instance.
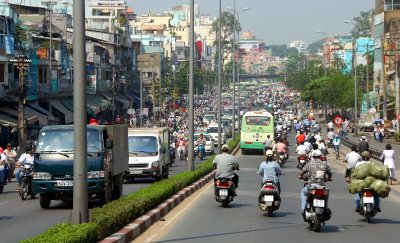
(256, 125)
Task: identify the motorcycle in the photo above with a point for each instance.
(282, 156)
(172, 153)
(367, 202)
(26, 182)
(317, 211)
(2, 183)
(201, 151)
(181, 151)
(302, 161)
(269, 199)
(224, 190)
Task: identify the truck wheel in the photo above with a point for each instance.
(166, 174)
(44, 200)
(106, 195)
(117, 190)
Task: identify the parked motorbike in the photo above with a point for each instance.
(367, 202)
(224, 190)
(269, 199)
(26, 182)
(201, 151)
(317, 211)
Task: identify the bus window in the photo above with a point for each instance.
(258, 121)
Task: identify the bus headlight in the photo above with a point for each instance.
(41, 176)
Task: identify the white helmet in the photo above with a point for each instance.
(269, 153)
(316, 153)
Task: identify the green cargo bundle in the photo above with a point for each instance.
(377, 170)
(373, 175)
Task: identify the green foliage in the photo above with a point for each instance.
(272, 70)
(396, 137)
(181, 79)
(278, 50)
(292, 52)
(314, 47)
(113, 216)
(363, 24)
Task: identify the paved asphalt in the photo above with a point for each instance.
(24, 219)
(206, 221)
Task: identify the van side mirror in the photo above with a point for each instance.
(109, 144)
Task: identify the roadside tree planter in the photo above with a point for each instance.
(113, 216)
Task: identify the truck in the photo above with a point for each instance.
(107, 162)
(149, 154)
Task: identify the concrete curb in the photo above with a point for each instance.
(141, 224)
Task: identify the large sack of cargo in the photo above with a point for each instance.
(379, 171)
(381, 188)
(369, 180)
(356, 186)
(362, 171)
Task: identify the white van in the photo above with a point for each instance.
(212, 129)
(148, 153)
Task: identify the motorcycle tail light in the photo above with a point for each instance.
(248, 142)
(266, 187)
(322, 158)
(222, 183)
(320, 192)
(302, 157)
(368, 194)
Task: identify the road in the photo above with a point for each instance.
(23, 219)
(204, 220)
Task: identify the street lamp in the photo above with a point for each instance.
(355, 73)
(236, 13)
(233, 61)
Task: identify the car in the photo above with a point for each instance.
(212, 129)
(209, 147)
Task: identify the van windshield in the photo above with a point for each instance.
(212, 130)
(63, 141)
(142, 146)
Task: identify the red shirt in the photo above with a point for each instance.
(301, 138)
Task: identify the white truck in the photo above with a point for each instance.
(148, 153)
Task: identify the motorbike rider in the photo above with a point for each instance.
(11, 159)
(351, 159)
(268, 142)
(270, 169)
(25, 158)
(317, 172)
(300, 137)
(3, 164)
(201, 140)
(281, 147)
(225, 164)
(366, 156)
(363, 145)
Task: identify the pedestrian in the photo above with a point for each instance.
(388, 158)
(376, 133)
(394, 123)
(381, 133)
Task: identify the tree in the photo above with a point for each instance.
(363, 24)
(316, 46)
(228, 21)
(278, 50)
(272, 70)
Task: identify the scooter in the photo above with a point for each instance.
(201, 151)
(26, 182)
(282, 158)
(317, 211)
(269, 199)
(181, 151)
(367, 202)
(302, 161)
(224, 190)
(172, 153)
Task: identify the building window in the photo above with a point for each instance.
(2, 72)
(42, 71)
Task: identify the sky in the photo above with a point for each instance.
(277, 21)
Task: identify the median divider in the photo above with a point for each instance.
(131, 215)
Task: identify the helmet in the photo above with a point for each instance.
(225, 146)
(365, 154)
(269, 153)
(363, 137)
(316, 153)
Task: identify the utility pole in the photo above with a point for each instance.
(22, 64)
(397, 96)
(191, 87)
(219, 78)
(80, 211)
(233, 69)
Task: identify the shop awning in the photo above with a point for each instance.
(41, 110)
(97, 104)
(8, 121)
(30, 119)
(69, 103)
(69, 116)
(126, 103)
(43, 119)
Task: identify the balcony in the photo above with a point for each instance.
(392, 7)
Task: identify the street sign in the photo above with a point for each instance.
(338, 120)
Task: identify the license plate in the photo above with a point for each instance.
(65, 183)
(223, 192)
(281, 156)
(319, 203)
(268, 198)
(302, 161)
(368, 200)
(135, 172)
